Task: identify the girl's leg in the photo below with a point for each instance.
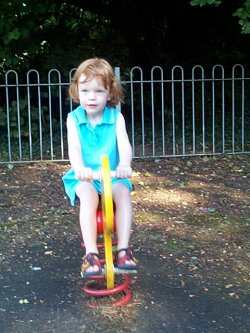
(123, 217)
(88, 206)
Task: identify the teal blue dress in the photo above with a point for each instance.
(95, 142)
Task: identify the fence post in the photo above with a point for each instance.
(118, 76)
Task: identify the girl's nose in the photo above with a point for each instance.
(91, 95)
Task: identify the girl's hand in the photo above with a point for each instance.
(123, 171)
(84, 174)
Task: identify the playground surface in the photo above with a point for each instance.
(191, 235)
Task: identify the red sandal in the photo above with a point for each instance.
(121, 261)
(90, 260)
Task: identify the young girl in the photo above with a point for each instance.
(96, 128)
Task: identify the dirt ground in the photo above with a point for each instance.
(191, 236)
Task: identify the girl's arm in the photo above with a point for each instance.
(124, 148)
(75, 152)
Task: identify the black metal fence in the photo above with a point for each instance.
(169, 112)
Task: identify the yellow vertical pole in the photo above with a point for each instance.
(108, 218)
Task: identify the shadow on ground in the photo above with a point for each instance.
(191, 237)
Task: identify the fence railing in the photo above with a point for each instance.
(169, 112)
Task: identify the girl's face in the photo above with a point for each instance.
(92, 95)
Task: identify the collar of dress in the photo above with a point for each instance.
(108, 116)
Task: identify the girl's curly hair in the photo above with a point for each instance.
(100, 68)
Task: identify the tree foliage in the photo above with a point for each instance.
(242, 12)
(59, 34)
(50, 32)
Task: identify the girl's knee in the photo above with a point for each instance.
(121, 192)
(86, 191)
